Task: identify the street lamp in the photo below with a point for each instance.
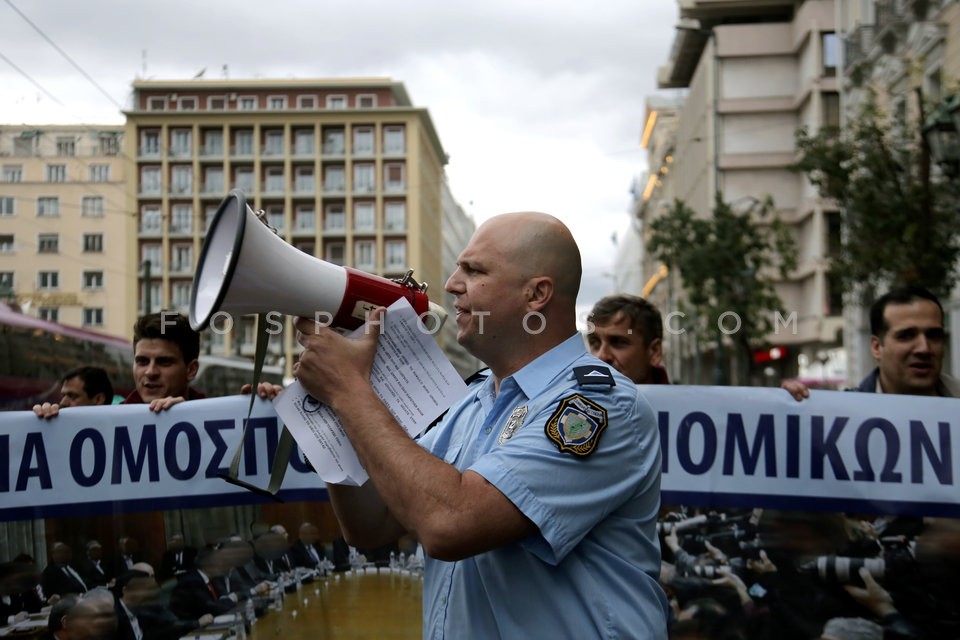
(942, 133)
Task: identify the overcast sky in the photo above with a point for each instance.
(538, 104)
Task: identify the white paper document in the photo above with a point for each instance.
(410, 374)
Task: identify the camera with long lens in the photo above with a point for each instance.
(896, 559)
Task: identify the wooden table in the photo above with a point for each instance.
(348, 606)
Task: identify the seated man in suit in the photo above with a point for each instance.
(93, 569)
(236, 555)
(200, 591)
(270, 556)
(59, 577)
(306, 551)
(177, 558)
(88, 617)
(140, 599)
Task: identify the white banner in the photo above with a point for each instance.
(722, 446)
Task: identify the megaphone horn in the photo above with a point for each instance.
(247, 268)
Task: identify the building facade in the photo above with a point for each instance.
(346, 170)
(65, 224)
(751, 73)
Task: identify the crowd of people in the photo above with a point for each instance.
(125, 598)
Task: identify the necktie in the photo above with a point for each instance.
(98, 567)
(179, 558)
(313, 554)
(213, 590)
(73, 574)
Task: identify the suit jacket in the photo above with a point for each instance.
(272, 568)
(170, 565)
(124, 625)
(55, 580)
(300, 555)
(91, 576)
(27, 601)
(159, 623)
(191, 597)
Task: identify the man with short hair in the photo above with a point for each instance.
(536, 497)
(80, 387)
(626, 332)
(907, 342)
(165, 361)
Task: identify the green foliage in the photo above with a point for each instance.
(899, 226)
(728, 263)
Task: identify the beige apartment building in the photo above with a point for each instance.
(746, 74)
(65, 224)
(347, 170)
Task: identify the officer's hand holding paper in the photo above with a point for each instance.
(410, 374)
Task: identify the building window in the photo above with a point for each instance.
(47, 280)
(307, 247)
(180, 295)
(93, 243)
(28, 144)
(8, 206)
(156, 103)
(303, 181)
(247, 103)
(216, 103)
(150, 180)
(337, 102)
(363, 141)
(181, 180)
(209, 213)
(333, 142)
(150, 143)
(334, 218)
(151, 253)
(181, 259)
(6, 243)
(305, 219)
(93, 316)
(99, 173)
(364, 216)
(93, 280)
(181, 218)
(243, 179)
(50, 314)
(363, 255)
(366, 100)
(6, 283)
(334, 253)
(333, 179)
(275, 217)
(187, 104)
(364, 180)
(243, 143)
(394, 216)
(213, 143)
(393, 177)
(91, 206)
(395, 255)
(306, 102)
(56, 173)
(303, 142)
(156, 297)
(213, 180)
(831, 110)
(277, 102)
(273, 143)
(150, 220)
(393, 139)
(831, 53)
(12, 173)
(48, 206)
(181, 142)
(48, 243)
(66, 146)
(109, 144)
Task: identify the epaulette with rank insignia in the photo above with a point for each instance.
(576, 425)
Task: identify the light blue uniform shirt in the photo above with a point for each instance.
(592, 570)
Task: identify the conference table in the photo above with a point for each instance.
(362, 604)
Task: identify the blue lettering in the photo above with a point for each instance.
(860, 447)
(793, 446)
(213, 429)
(663, 421)
(298, 461)
(170, 458)
(146, 455)
(821, 448)
(4, 463)
(736, 441)
(33, 448)
(920, 442)
(269, 425)
(99, 457)
(709, 443)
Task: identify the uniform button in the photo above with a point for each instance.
(487, 430)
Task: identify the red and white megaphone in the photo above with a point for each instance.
(246, 268)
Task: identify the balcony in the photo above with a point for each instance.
(892, 23)
(857, 46)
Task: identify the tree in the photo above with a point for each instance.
(899, 226)
(728, 263)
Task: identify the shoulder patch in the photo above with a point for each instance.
(576, 425)
(592, 374)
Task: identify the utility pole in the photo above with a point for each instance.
(147, 287)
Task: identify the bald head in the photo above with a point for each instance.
(539, 244)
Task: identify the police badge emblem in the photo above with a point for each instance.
(576, 425)
(514, 422)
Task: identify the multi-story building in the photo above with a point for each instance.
(753, 72)
(65, 224)
(347, 170)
